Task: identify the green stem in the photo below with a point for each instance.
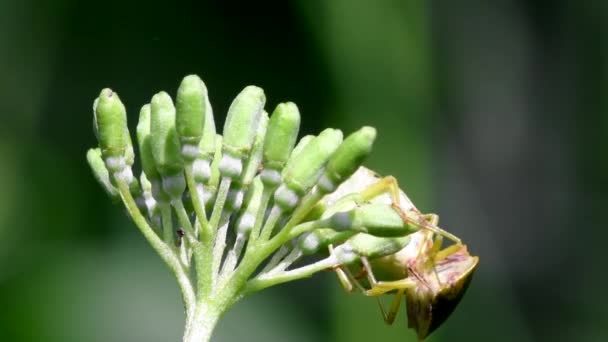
(220, 200)
(231, 258)
(259, 220)
(163, 250)
(199, 207)
(203, 252)
(219, 247)
(255, 256)
(263, 282)
(165, 211)
(184, 220)
(275, 215)
(201, 324)
(285, 263)
(276, 258)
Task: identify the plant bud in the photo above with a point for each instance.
(240, 129)
(101, 173)
(347, 159)
(296, 152)
(201, 167)
(208, 140)
(164, 140)
(254, 161)
(305, 171)
(282, 135)
(145, 144)
(129, 152)
(111, 124)
(380, 220)
(372, 247)
(319, 239)
(191, 109)
(242, 120)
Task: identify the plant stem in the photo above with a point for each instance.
(199, 207)
(167, 224)
(163, 250)
(200, 326)
(265, 281)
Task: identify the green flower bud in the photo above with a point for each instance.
(240, 129)
(174, 185)
(208, 140)
(319, 239)
(164, 140)
(111, 124)
(282, 135)
(129, 152)
(375, 219)
(215, 164)
(95, 129)
(347, 159)
(296, 152)
(191, 108)
(375, 247)
(211, 185)
(201, 167)
(254, 161)
(101, 173)
(146, 186)
(307, 168)
(145, 144)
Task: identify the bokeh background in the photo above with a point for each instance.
(493, 114)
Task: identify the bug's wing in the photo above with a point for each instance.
(428, 308)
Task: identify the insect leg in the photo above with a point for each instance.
(345, 276)
(389, 185)
(389, 317)
(382, 287)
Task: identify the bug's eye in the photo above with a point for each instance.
(428, 309)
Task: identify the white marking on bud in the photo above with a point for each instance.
(246, 223)
(189, 151)
(157, 191)
(150, 202)
(326, 185)
(270, 177)
(124, 175)
(230, 166)
(344, 254)
(115, 164)
(201, 170)
(235, 199)
(174, 185)
(285, 198)
(342, 220)
(310, 243)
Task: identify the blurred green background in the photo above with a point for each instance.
(491, 113)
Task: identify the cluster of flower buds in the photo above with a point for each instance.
(255, 189)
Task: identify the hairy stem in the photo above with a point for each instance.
(265, 281)
(164, 251)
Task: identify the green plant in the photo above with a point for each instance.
(271, 200)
